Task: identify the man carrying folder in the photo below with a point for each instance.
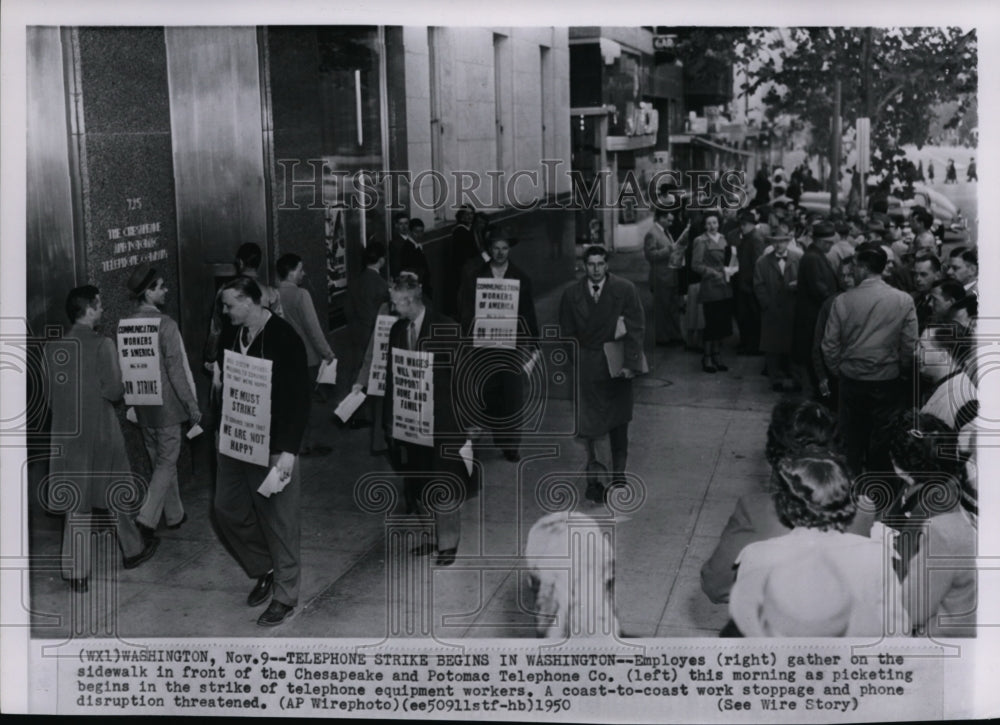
(603, 308)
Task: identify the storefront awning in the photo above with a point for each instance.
(719, 146)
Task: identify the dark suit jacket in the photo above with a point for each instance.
(777, 302)
(406, 256)
(817, 282)
(605, 402)
(528, 323)
(462, 251)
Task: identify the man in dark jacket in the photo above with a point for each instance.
(418, 430)
(262, 530)
(594, 311)
(503, 378)
(750, 245)
(817, 282)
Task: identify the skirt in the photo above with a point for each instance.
(694, 319)
(718, 320)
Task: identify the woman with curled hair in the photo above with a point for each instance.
(934, 515)
(813, 497)
(795, 424)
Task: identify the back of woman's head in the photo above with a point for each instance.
(813, 490)
(796, 424)
(917, 444)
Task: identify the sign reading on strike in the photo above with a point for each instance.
(246, 408)
(139, 354)
(380, 353)
(496, 313)
(413, 396)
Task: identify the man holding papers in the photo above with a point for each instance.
(418, 415)
(497, 311)
(604, 308)
(150, 346)
(265, 406)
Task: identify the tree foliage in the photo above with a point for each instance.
(895, 76)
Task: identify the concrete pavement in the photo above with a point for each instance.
(697, 443)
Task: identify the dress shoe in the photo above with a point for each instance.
(595, 492)
(78, 585)
(262, 590)
(180, 523)
(718, 365)
(275, 614)
(425, 549)
(148, 534)
(707, 366)
(512, 456)
(131, 562)
(446, 557)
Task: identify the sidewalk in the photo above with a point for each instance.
(697, 443)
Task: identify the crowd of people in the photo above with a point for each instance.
(872, 331)
(862, 316)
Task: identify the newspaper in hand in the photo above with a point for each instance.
(274, 483)
(348, 405)
(327, 373)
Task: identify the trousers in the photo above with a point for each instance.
(262, 532)
(866, 408)
(79, 535)
(163, 496)
(418, 465)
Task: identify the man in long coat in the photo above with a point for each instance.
(816, 282)
(774, 281)
(89, 464)
(593, 311)
(750, 245)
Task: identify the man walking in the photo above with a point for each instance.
(869, 345)
(598, 309)
(161, 424)
(418, 426)
(263, 531)
(89, 456)
(502, 375)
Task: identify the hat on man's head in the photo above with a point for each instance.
(141, 279)
(745, 216)
(776, 237)
(876, 226)
(822, 230)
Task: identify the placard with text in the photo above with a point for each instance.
(380, 353)
(413, 396)
(139, 354)
(496, 312)
(246, 408)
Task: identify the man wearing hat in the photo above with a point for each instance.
(869, 345)
(161, 424)
(749, 243)
(817, 281)
(774, 280)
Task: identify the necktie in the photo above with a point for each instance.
(597, 290)
(413, 336)
(246, 337)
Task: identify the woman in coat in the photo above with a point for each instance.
(713, 258)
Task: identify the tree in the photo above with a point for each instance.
(895, 76)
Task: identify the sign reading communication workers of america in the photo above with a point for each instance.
(246, 408)
(496, 312)
(139, 354)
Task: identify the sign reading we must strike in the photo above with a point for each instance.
(139, 355)
(246, 408)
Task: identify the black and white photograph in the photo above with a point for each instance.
(351, 357)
